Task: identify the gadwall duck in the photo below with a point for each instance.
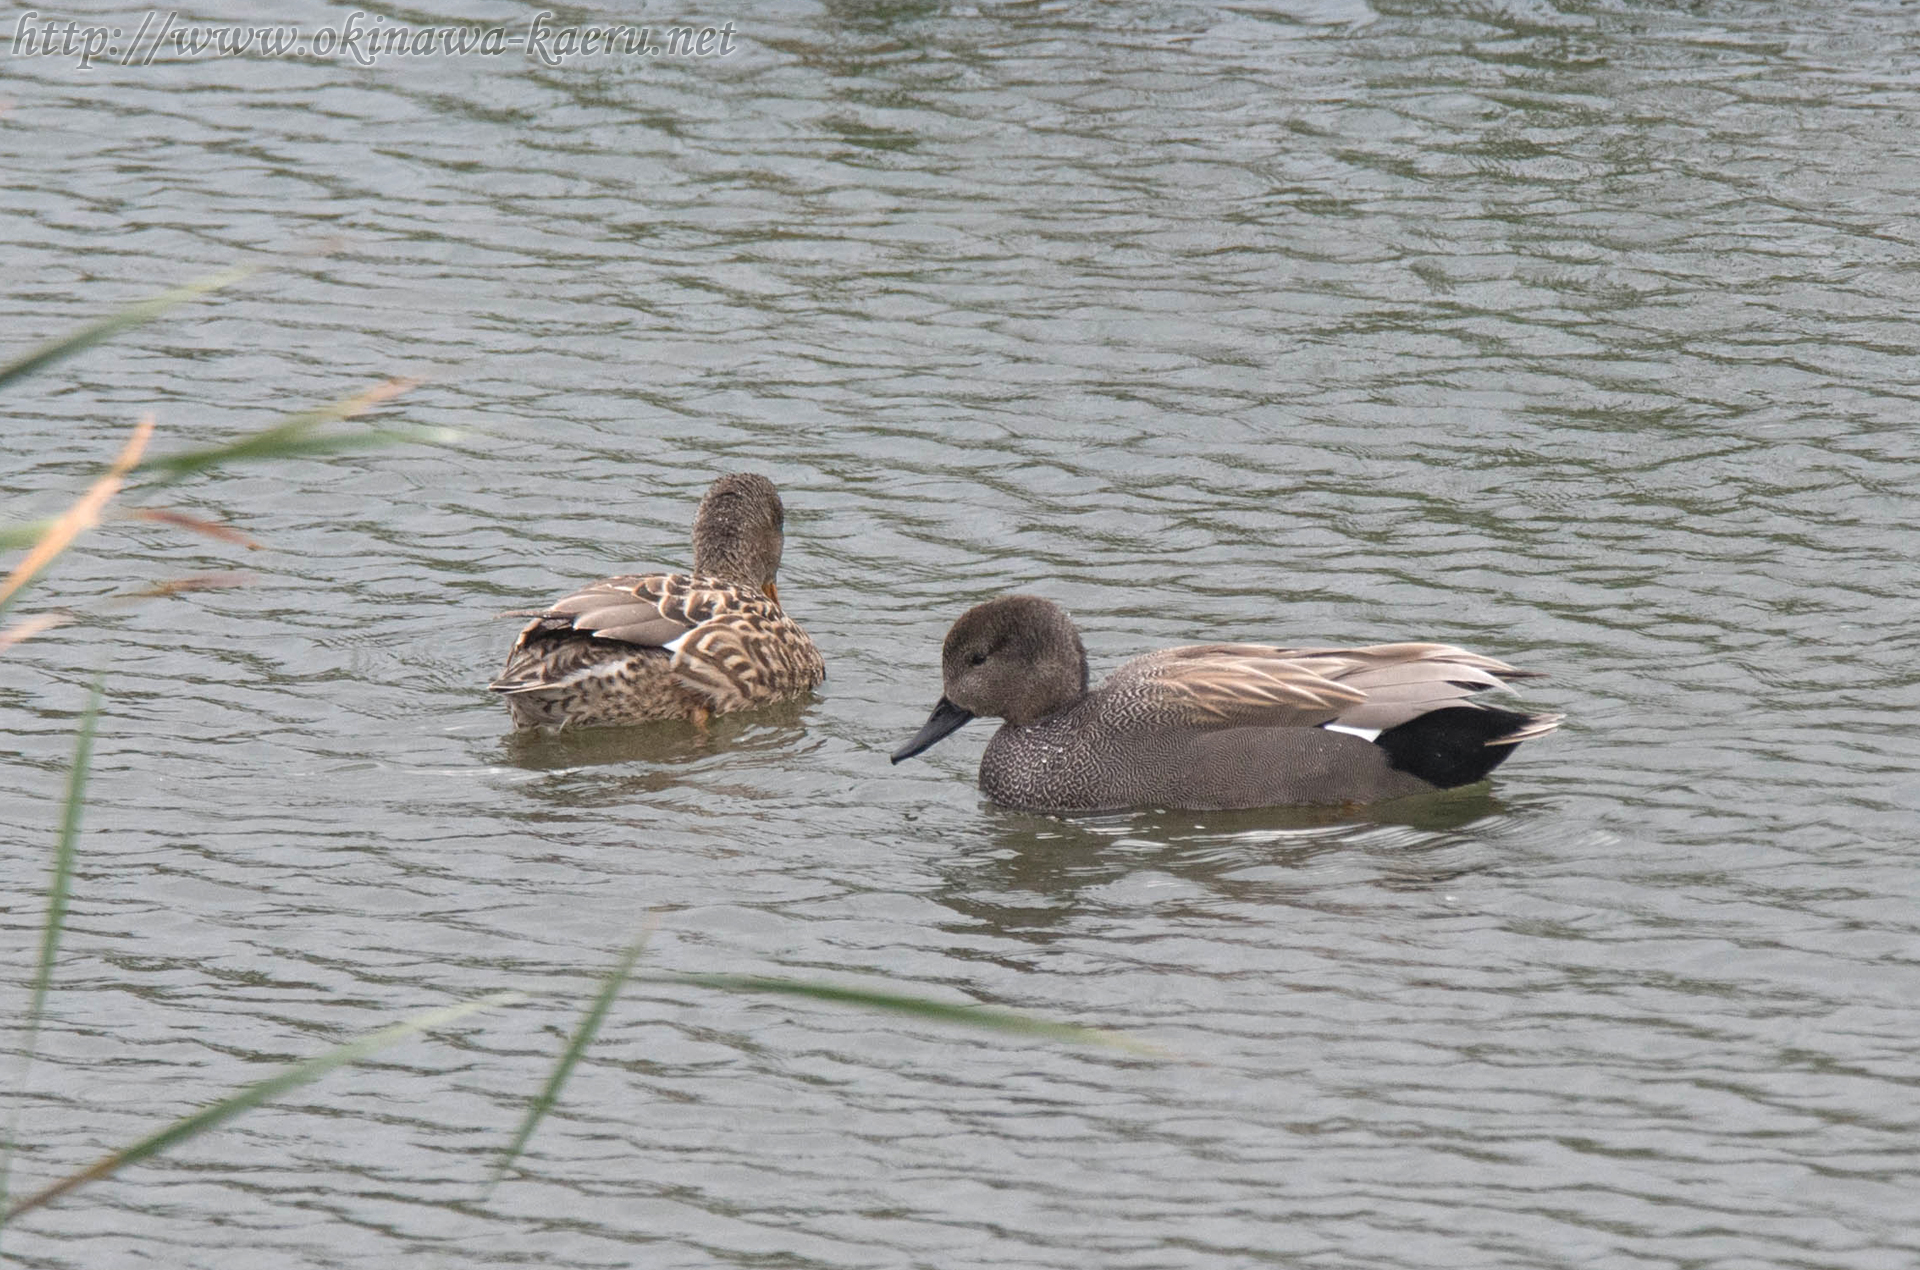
(670, 645)
(1216, 725)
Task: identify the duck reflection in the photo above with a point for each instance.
(1029, 876)
(653, 757)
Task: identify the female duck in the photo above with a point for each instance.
(1216, 725)
(671, 645)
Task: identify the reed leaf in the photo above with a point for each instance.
(194, 524)
(895, 1002)
(61, 887)
(59, 890)
(29, 532)
(27, 627)
(295, 435)
(189, 1127)
(224, 581)
(83, 515)
(583, 1036)
(106, 328)
(24, 534)
(991, 1018)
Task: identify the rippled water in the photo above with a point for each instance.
(1579, 335)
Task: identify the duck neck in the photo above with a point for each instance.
(1059, 687)
(725, 557)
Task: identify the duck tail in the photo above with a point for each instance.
(1460, 744)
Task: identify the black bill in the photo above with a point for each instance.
(946, 719)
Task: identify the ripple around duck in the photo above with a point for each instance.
(1577, 337)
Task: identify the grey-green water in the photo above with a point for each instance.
(1578, 334)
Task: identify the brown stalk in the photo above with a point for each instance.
(82, 516)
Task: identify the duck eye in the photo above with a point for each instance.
(979, 658)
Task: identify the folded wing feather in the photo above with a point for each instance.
(707, 625)
(1252, 685)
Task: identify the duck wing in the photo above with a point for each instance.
(1356, 689)
(729, 644)
(1401, 682)
(1226, 686)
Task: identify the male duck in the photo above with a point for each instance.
(671, 645)
(1216, 725)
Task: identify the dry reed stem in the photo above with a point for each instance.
(82, 516)
(28, 627)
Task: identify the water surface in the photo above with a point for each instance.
(1578, 334)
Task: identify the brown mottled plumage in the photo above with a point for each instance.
(1216, 725)
(670, 645)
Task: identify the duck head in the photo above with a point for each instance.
(738, 533)
(1017, 658)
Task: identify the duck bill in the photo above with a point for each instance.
(771, 591)
(946, 719)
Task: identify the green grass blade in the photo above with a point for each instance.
(273, 444)
(294, 435)
(253, 1095)
(979, 1016)
(61, 887)
(58, 891)
(582, 1037)
(108, 327)
(24, 535)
